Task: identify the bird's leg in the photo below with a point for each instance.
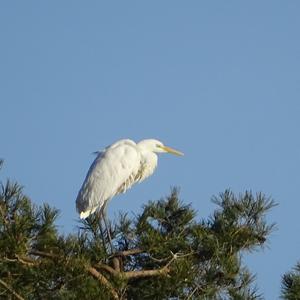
(102, 234)
(103, 211)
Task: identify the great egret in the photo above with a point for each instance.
(115, 170)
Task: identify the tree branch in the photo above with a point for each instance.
(134, 274)
(43, 254)
(107, 268)
(103, 281)
(146, 273)
(22, 259)
(91, 270)
(3, 215)
(127, 275)
(11, 290)
(128, 252)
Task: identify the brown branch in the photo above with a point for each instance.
(43, 254)
(116, 272)
(107, 268)
(10, 289)
(22, 259)
(6, 222)
(91, 270)
(117, 263)
(148, 273)
(26, 260)
(103, 281)
(128, 252)
(159, 260)
(134, 274)
(145, 273)
(10, 259)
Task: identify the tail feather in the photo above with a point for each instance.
(85, 214)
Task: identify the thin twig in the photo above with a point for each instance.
(159, 260)
(192, 293)
(198, 287)
(11, 290)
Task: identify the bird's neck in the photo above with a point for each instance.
(148, 163)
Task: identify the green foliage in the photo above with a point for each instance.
(291, 284)
(162, 253)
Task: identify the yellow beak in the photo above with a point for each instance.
(171, 150)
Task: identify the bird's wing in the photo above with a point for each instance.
(112, 172)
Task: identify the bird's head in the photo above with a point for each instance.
(157, 146)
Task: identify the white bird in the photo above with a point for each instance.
(115, 170)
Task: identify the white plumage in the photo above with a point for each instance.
(115, 170)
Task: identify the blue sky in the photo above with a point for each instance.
(218, 80)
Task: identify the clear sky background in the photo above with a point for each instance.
(219, 80)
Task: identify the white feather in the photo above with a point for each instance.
(115, 170)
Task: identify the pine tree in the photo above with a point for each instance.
(164, 252)
(291, 284)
